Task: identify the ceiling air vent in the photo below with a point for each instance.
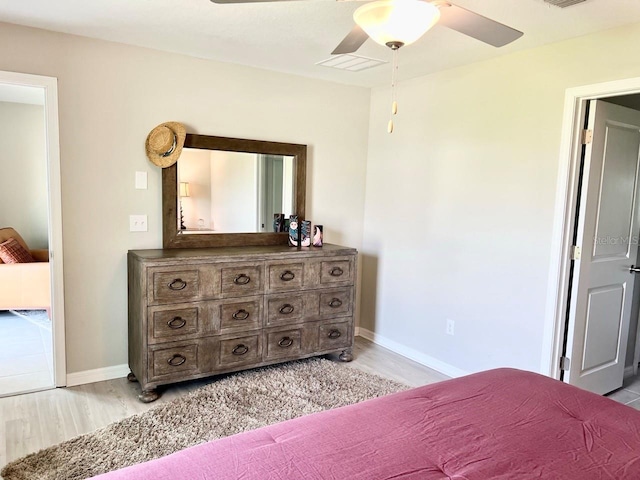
(564, 3)
(353, 63)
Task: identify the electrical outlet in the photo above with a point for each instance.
(137, 223)
(450, 326)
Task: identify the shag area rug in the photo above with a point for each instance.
(236, 403)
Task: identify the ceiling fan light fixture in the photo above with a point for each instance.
(393, 22)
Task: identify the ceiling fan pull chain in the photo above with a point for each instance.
(394, 79)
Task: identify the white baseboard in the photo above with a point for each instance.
(628, 371)
(97, 375)
(421, 358)
(119, 371)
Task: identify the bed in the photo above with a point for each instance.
(501, 424)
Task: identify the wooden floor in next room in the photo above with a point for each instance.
(25, 351)
(629, 394)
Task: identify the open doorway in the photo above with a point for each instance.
(26, 341)
(31, 293)
(597, 231)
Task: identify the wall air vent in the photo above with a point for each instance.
(564, 3)
(353, 63)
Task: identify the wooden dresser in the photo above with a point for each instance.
(200, 312)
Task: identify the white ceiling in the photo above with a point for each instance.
(292, 36)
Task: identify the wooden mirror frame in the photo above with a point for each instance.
(173, 238)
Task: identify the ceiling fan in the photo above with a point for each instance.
(395, 23)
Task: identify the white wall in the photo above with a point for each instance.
(23, 172)
(460, 199)
(194, 168)
(234, 191)
(110, 97)
(287, 187)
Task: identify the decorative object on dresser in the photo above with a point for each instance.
(305, 233)
(200, 312)
(317, 235)
(294, 231)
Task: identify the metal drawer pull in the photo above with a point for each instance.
(634, 269)
(286, 309)
(241, 314)
(240, 349)
(177, 284)
(177, 360)
(334, 334)
(335, 303)
(176, 323)
(287, 276)
(336, 272)
(285, 342)
(242, 279)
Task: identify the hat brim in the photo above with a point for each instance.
(166, 161)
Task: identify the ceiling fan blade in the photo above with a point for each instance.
(352, 42)
(476, 26)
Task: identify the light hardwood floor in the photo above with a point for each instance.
(25, 352)
(34, 421)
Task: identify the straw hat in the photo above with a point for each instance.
(164, 143)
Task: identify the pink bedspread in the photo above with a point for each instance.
(501, 424)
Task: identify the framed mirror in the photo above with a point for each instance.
(225, 192)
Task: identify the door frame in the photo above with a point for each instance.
(50, 89)
(575, 102)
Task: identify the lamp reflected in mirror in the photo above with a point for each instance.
(183, 191)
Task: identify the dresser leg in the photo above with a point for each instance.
(148, 396)
(131, 377)
(346, 355)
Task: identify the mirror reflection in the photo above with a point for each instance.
(232, 192)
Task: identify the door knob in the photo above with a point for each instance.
(634, 269)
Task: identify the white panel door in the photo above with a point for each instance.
(607, 233)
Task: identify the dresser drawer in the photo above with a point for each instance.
(241, 315)
(240, 350)
(334, 335)
(283, 344)
(285, 276)
(169, 361)
(336, 270)
(282, 309)
(177, 286)
(238, 280)
(166, 325)
(336, 302)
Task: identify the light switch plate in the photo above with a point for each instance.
(138, 223)
(141, 180)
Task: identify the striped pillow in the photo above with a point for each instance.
(12, 252)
